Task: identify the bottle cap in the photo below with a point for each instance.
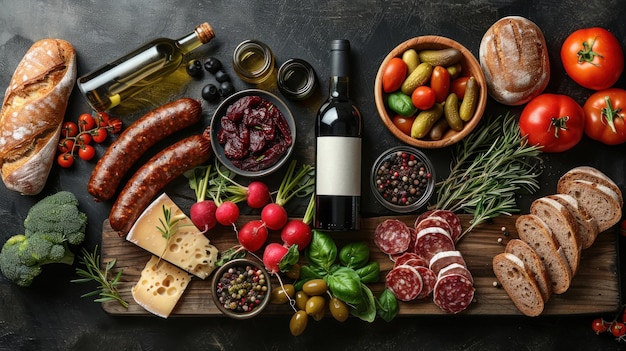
(205, 32)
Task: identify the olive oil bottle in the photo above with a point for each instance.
(113, 83)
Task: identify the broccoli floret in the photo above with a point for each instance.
(51, 224)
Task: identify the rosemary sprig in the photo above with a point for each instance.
(169, 226)
(93, 272)
(489, 168)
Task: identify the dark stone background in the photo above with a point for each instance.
(51, 315)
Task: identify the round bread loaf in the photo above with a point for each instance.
(514, 58)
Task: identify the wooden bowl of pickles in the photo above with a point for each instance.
(430, 92)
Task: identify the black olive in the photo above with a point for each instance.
(210, 93)
(222, 76)
(227, 88)
(194, 68)
(212, 65)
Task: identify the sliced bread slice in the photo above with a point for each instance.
(536, 233)
(533, 264)
(598, 200)
(518, 284)
(593, 175)
(563, 226)
(587, 225)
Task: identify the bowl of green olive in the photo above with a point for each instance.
(241, 288)
(430, 91)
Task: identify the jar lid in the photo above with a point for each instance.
(296, 79)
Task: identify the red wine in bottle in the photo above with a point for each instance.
(338, 131)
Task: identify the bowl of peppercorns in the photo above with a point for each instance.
(403, 179)
(241, 288)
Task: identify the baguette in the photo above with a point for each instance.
(587, 225)
(533, 264)
(32, 114)
(537, 235)
(600, 201)
(563, 227)
(518, 283)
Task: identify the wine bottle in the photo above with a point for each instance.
(113, 83)
(338, 132)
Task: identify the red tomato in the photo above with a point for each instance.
(423, 97)
(593, 57)
(404, 123)
(65, 160)
(458, 86)
(70, 129)
(618, 329)
(440, 83)
(114, 125)
(599, 326)
(84, 139)
(86, 121)
(553, 121)
(102, 119)
(65, 145)
(86, 152)
(394, 74)
(604, 116)
(99, 135)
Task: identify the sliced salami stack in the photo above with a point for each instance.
(426, 260)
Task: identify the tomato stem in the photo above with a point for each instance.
(609, 113)
(558, 123)
(586, 54)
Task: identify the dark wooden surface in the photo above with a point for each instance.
(51, 314)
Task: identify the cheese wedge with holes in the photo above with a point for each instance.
(160, 287)
(187, 248)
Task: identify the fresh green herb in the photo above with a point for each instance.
(300, 183)
(169, 226)
(491, 166)
(92, 272)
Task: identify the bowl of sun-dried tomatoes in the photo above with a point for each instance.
(253, 133)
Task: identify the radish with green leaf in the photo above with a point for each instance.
(202, 212)
(297, 232)
(256, 194)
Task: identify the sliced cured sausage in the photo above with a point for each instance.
(454, 222)
(455, 268)
(444, 259)
(405, 282)
(453, 293)
(392, 236)
(407, 256)
(431, 241)
(429, 279)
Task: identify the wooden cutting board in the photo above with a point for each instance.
(594, 289)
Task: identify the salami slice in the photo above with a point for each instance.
(446, 258)
(392, 236)
(454, 222)
(453, 293)
(410, 256)
(422, 216)
(405, 282)
(429, 279)
(431, 241)
(455, 268)
(433, 221)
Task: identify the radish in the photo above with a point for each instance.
(227, 213)
(272, 255)
(294, 183)
(298, 232)
(256, 194)
(252, 235)
(202, 213)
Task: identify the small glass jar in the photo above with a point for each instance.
(296, 79)
(253, 61)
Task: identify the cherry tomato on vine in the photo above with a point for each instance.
(423, 97)
(599, 326)
(114, 125)
(593, 58)
(84, 139)
(69, 129)
(404, 123)
(102, 118)
(65, 160)
(604, 116)
(86, 122)
(86, 152)
(440, 83)
(65, 145)
(99, 135)
(553, 121)
(394, 74)
(618, 329)
(458, 85)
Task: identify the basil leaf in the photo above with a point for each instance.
(369, 273)
(291, 257)
(345, 284)
(366, 310)
(322, 251)
(387, 305)
(354, 255)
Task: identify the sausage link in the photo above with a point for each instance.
(136, 140)
(152, 177)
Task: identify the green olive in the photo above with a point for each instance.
(338, 309)
(315, 287)
(280, 295)
(315, 304)
(298, 323)
(301, 298)
(293, 272)
(318, 316)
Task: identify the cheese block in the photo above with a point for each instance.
(188, 248)
(160, 287)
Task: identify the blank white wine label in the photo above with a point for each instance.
(338, 166)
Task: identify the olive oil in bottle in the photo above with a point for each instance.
(113, 83)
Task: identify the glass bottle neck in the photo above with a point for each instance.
(339, 87)
(188, 43)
